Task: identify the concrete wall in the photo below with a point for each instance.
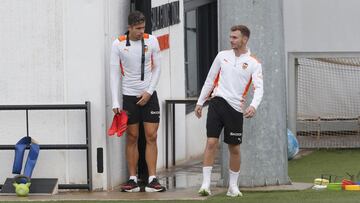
(264, 148)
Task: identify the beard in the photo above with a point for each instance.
(236, 46)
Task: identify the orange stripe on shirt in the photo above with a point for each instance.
(122, 38)
(216, 81)
(215, 84)
(247, 88)
(122, 69)
(254, 57)
(152, 62)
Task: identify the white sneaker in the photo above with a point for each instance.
(204, 191)
(234, 192)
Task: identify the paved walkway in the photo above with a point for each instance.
(182, 181)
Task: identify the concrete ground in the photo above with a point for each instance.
(182, 183)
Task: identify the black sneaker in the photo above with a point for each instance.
(130, 186)
(155, 186)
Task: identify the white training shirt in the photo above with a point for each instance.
(125, 68)
(230, 78)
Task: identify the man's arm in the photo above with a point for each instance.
(155, 75)
(257, 79)
(115, 77)
(208, 85)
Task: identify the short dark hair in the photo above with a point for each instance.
(136, 17)
(242, 28)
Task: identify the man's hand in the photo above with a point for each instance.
(144, 98)
(250, 112)
(198, 111)
(116, 110)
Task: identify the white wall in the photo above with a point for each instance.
(172, 85)
(196, 134)
(53, 52)
(32, 72)
(321, 25)
(84, 67)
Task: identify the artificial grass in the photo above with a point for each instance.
(335, 162)
(306, 196)
(306, 169)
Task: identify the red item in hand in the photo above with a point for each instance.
(122, 120)
(114, 127)
(119, 124)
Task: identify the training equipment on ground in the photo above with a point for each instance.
(39, 186)
(22, 185)
(321, 181)
(334, 186)
(22, 182)
(346, 182)
(352, 187)
(319, 187)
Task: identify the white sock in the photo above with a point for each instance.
(233, 178)
(151, 178)
(133, 178)
(206, 176)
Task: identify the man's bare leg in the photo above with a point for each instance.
(132, 156)
(235, 157)
(132, 152)
(151, 146)
(210, 151)
(151, 157)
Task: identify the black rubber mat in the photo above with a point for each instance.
(38, 186)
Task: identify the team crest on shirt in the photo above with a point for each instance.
(244, 65)
(145, 48)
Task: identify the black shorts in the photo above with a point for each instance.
(222, 115)
(149, 113)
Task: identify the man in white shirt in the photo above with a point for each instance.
(227, 84)
(134, 74)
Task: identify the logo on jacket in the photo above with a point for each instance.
(244, 65)
(235, 134)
